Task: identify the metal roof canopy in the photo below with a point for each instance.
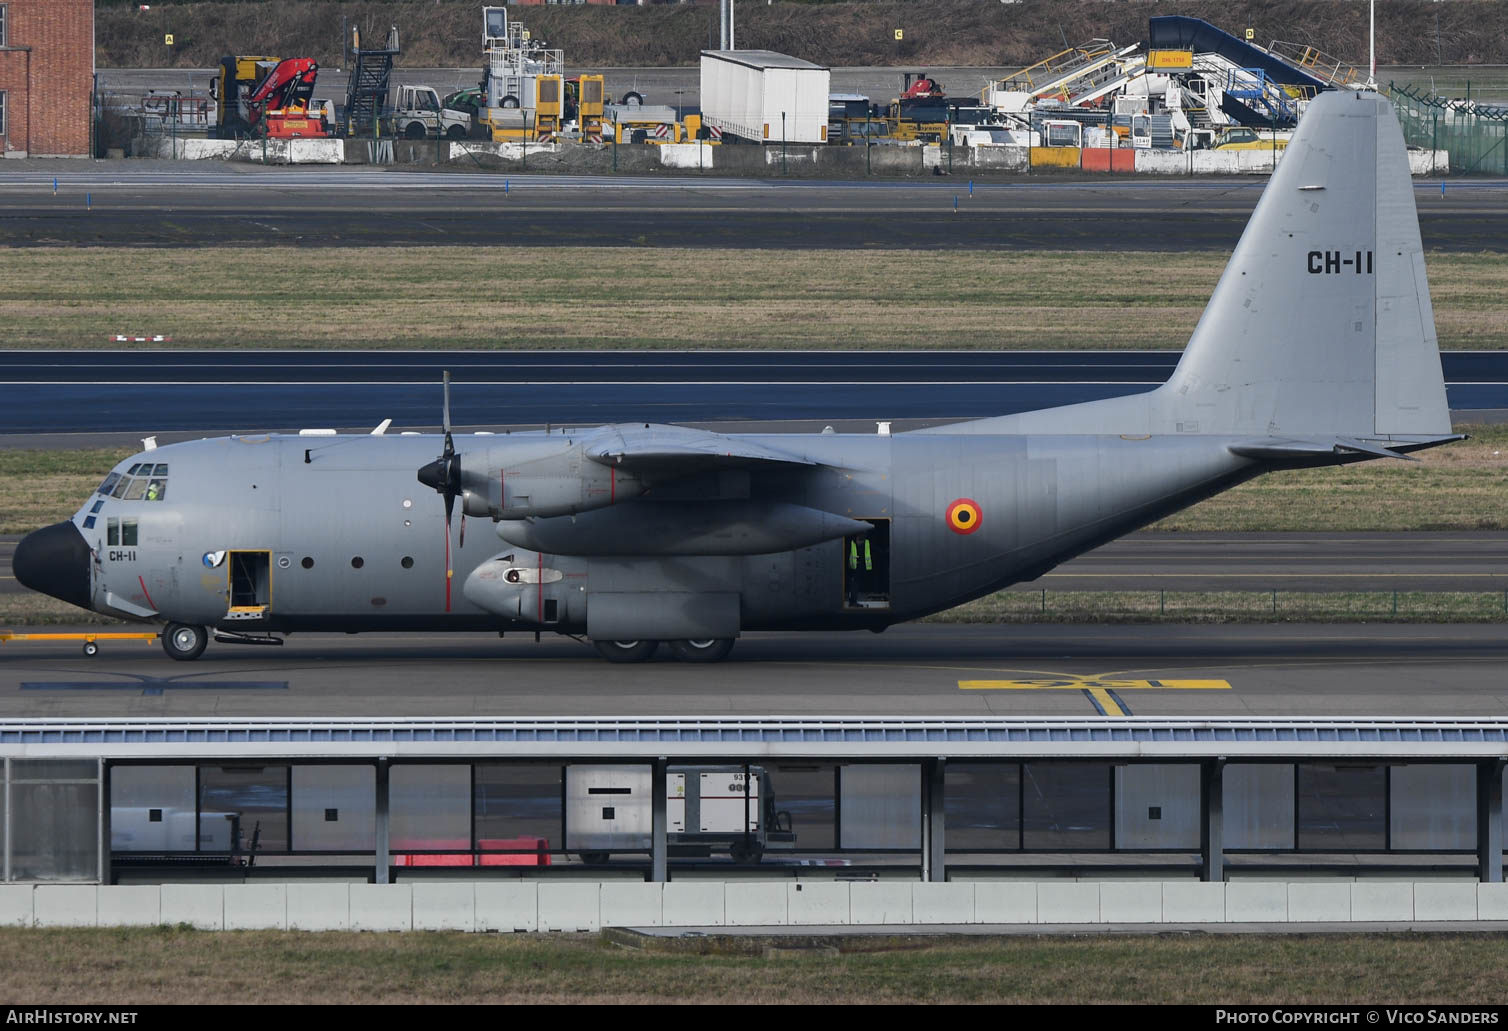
(770, 737)
(764, 59)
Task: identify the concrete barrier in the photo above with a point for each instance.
(16, 908)
(818, 902)
(578, 905)
(199, 905)
(256, 907)
(687, 155)
(507, 906)
(568, 906)
(757, 904)
(319, 907)
(1131, 902)
(881, 902)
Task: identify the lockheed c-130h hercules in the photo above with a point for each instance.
(1317, 348)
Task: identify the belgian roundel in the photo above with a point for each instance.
(963, 516)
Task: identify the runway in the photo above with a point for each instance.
(137, 203)
(188, 392)
(913, 670)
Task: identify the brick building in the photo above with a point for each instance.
(46, 76)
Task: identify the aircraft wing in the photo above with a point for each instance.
(659, 452)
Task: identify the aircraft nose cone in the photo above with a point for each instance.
(55, 561)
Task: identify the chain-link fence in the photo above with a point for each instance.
(1475, 134)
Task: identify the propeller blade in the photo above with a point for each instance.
(463, 528)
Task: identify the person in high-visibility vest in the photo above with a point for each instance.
(853, 556)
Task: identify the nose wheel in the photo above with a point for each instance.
(183, 642)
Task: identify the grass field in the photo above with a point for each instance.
(413, 297)
(170, 965)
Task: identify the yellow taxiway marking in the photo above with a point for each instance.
(1099, 689)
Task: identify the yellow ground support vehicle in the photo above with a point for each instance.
(1242, 138)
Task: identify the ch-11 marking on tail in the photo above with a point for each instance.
(636, 534)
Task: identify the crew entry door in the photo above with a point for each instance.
(866, 568)
(250, 574)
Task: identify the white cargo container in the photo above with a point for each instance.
(764, 97)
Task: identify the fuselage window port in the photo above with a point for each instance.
(97, 506)
(128, 533)
(357, 562)
(112, 532)
(866, 568)
(307, 563)
(408, 562)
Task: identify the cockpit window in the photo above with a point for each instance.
(156, 489)
(137, 488)
(160, 469)
(109, 484)
(120, 487)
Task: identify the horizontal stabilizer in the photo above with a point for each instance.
(1338, 447)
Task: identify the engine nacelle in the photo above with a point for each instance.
(541, 479)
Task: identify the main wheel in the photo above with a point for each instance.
(711, 649)
(91, 649)
(455, 132)
(415, 131)
(626, 651)
(184, 642)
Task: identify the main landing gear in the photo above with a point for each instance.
(184, 642)
(712, 649)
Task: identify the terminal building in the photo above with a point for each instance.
(46, 77)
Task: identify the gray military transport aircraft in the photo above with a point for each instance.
(1317, 348)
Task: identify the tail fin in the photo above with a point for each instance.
(1321, 323)
(1321, 326)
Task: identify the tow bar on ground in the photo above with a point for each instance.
(91, 645)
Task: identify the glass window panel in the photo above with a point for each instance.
(160, 469)
(519, 804)
(430, 807)
(982, 806)
(152, 809)
(89, 522)
(135, 468)
(1157, 806)
(128, 533)
(136, 489)
(808, 792)
(607, 808)
(54, 769)
(881, 806)
(109, 484)
(1433, 807)
(55, 832)
(243, 808)
(335, 808)
(1341, 807)
(121, 486)
(157, 490)
(1258, 810)
(1067, 805)
(112, 532)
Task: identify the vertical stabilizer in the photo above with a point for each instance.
(1321, 323)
